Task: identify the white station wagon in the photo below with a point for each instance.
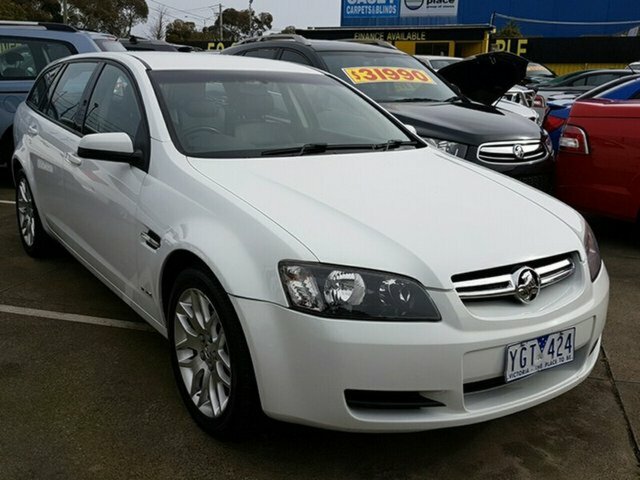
(306, 254)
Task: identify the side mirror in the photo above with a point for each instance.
(111, 147)
(411, 128)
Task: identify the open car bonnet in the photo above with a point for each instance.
(487, 77)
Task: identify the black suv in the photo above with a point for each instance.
(442, 114)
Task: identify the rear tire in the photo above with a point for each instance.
(210, 358)
(35, 241)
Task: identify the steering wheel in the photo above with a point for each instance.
(200, 128)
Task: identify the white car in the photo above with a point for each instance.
(306, 255)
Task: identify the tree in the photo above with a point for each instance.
(113, 16)
(236, 24)
(289, 29)
(158, 28)
(511, 29)
(33, 10)
(180, 31)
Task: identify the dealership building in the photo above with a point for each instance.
(570, 34)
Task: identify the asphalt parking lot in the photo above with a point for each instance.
(84, 400)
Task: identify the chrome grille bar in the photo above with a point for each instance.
(504, 152)
(504, 285)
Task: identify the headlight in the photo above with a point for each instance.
(593, 252)
(457, 149)
(351, 293)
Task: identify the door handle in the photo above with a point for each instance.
(32, 130)
(73, 159)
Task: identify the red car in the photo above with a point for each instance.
(598, 168)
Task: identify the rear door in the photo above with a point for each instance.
(55, 132)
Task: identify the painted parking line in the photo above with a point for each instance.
(73, 317)
(7, 202)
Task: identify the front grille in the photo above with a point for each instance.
(388, 400)
(501, 281)
(507, 152)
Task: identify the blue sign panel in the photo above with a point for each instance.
(370, 9)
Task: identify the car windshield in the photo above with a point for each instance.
(214, 114)
(438, 63)
(388, 77)
(558, 81)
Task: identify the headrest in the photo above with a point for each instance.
(13, 57)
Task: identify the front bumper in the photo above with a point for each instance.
(304, 364)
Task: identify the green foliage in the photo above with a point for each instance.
(289, 29)
(511, 29)
(111, 16)
(32, 10)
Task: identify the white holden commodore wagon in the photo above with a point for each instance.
(305, 254)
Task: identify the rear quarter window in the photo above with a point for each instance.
(25, 58)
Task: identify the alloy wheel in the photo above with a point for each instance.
(202, 352)
(26, 214)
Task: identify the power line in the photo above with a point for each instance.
(180, 10)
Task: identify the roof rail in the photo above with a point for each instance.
(48, 25)
(275, 36)
(372, 41)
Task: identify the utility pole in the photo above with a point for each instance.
(250, 19)
(65, 14)
(220, 22)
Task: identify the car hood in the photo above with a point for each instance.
(464, 122)
(487, 77)
(413, 212)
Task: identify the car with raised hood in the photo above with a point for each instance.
(25, 49)
(599, 158)
(517, 99)
(306, 254)
(462, 122)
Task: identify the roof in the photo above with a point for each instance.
(183, 61)
(322, 45)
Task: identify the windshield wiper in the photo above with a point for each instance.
(306, 149)
(315, 148)
(412, 100)
(393, 144)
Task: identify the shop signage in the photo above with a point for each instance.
(370, 8)
(429, 8)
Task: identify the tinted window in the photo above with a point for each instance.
(269, 53)
(65, 101)
(247, 114)
(388, 77)
(577, 82)
(295, 57)
(23, 59)
(42, 87)
(113, 106)
(601, 78)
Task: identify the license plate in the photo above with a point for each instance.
(531, 356)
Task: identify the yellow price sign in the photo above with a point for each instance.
(387, 74)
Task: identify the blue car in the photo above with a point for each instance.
(25, 49)
(625, 88)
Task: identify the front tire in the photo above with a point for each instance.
(36, 242)
(210, 358)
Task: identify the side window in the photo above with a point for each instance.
(66, 97)
(113, 106)
(269, 53)
(295, 57)
(579, 82)
(40, 91)
(24, 58)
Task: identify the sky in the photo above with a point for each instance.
(301, 13)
